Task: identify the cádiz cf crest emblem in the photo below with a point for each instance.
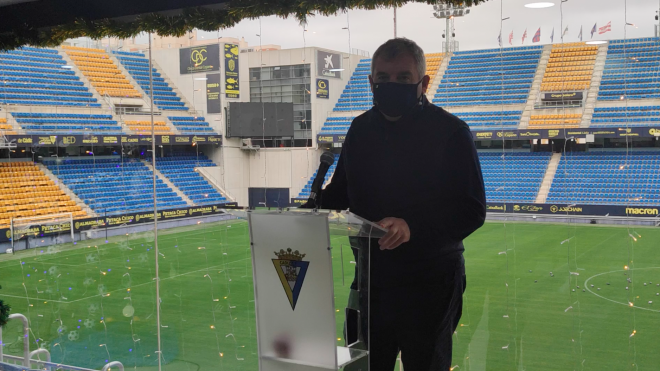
(291, 269)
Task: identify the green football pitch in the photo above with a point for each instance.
(539, 297)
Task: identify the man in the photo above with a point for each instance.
(412, 167)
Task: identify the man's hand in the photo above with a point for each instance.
(398, 233)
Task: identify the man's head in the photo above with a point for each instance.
(399, 61)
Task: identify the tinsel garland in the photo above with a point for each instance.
(4, 313)
(197, 18)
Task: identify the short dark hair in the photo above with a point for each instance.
(394, 47)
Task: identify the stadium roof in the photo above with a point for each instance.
(50, 22)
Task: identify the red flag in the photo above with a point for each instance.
(606, 28)
(510, 38)
(537, 36)
(524, 36)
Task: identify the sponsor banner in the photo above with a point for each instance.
(203, 58)
(231, 71)
(613, 132)
(328, 64)
(565, 96)
(322, 89)
(213, 104)
(37, 230)
(574, 209)
(296, 202)
(83, 140)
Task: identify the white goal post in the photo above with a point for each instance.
(21, 226)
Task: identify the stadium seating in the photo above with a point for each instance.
(36, 76)
(336, 125)
(144, 127)
(27, 192)
(308, 187)
(180, 170)
(570, 67)
(562, 121)
(357, 93)
(611, 178)
(513, 177)
(112, 186)
(626, 116)
(487, 77)
(490, 120)
(138, 66)
(191, 125)
(631, 70)
(433, 62)
(5, 128)
(66, 123)
(101, 72)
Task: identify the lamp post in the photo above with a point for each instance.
(449, 12)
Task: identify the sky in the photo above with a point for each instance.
(478, 30)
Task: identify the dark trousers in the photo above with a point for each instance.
(417, 321)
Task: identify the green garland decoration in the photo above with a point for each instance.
(4, 312)
(198, 18)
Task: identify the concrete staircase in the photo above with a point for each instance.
(84, 80)
(433, 86)
(169, 184)
(592, 94)
(536, 87)
(550, 172)
(205, 172)
(67, 191)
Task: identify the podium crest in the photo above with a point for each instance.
(291, 269)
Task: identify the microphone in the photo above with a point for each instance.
(327, 159)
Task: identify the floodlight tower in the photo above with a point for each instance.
(449, 12)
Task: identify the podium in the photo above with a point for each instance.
(294, 288)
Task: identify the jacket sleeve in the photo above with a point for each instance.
(335, 195)
(459, 208)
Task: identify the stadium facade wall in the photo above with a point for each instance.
(268, 167)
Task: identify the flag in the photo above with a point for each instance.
(537, 36)
(524, 36)
(580, 35)
(552, 35)
(565, 32)
(499, 39)
(511, 38)
(606, 28)
(593, 30)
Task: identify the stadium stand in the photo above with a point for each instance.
(26, 191)
(101, 71)
(144, 127)
(6, 128)
(486, 77)
(304, 193)
(611, 178)
(138, 66)
(37, 76)
(631, 70)
(490, 120)
(112, 185)
(357, 93)
(570, 67)
(513, 177)
(180, 170)
(566, 120)
(191, 125)
(66, 123)
(433, 62)
(336, 125)
(626, 116)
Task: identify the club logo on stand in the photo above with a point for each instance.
(292, 270)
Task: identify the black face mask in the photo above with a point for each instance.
(394, 99)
